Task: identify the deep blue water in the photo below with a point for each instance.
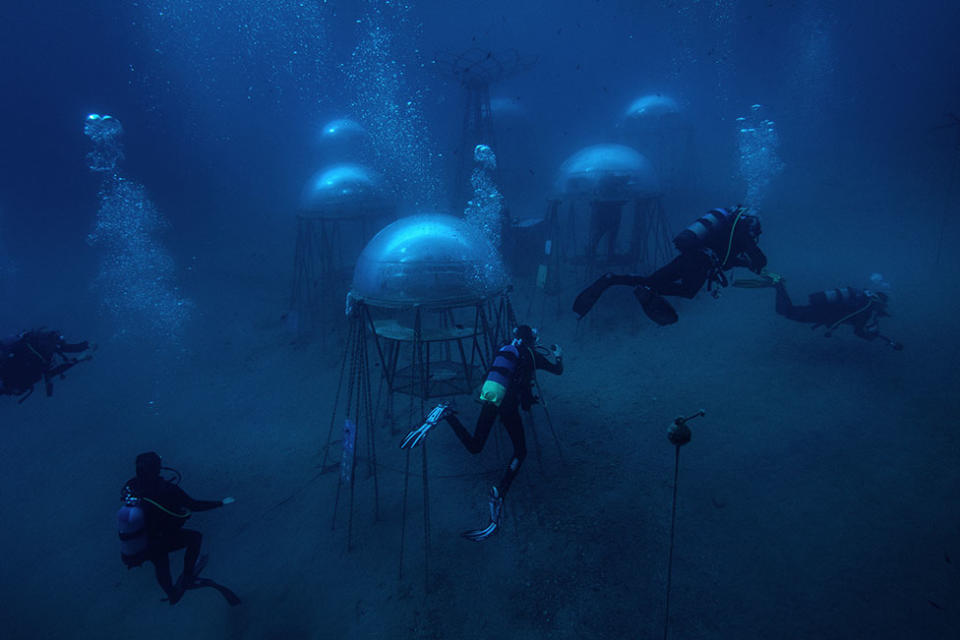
(822, 495)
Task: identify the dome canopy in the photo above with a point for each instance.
(430, 260)
(652, 106)
(343, 131)
(607, 172)
(506, 108)
(344, 191)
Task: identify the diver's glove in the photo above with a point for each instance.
(496, 510)
(415, 436)
(227, 500)
(556, 351)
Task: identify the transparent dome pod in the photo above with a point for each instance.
(652, 106)
(504, 108)
(344, 191)
(431, 260)
(343, 131)
(607, 172)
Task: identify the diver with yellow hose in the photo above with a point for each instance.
(859, 308)
(716, 242)
(507, 389)
(151, 526)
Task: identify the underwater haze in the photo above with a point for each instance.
(189, 185)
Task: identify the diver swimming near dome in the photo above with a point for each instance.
(714, 243)
(36, 355)
(150, 527)
(859, 308)
(507, 389)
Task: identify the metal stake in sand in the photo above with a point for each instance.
(678, 434)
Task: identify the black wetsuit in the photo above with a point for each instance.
(605, 218)
(166, 508)
(686, 274)
(518, 395)
(34, 356)
(848, 305)
(714, 243)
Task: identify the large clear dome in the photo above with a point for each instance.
(652, 106)
(344, 191)
(429, 260)
(607, 172)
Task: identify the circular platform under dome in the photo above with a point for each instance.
(431, 260)
(652, 106)
(607, 172)
(344, 191)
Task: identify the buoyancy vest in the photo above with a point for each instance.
(714, 228)
(501, 375)
(845, 298)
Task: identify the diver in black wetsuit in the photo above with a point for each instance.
(158, 529)
(36, 355)
(605, 218)
(860, 308)
(506, 390)
(717, 242)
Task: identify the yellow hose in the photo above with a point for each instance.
(184, 515)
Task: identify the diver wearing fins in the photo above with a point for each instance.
(506, 390)
(151, 526)
(859, 308)
(36, 355)
(716, 242)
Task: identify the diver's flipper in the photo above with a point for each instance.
(766, 279)
(589, 296)
(174, 598)
(231, 598)
(200, 565)
(413, 438)
(185, 582)
(496, 511)
(656, 306)
(480, 535)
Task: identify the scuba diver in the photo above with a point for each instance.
(717, 242)
(859, 308)
(151, 526)
(36, 355)
(605, 218)
(507, 389)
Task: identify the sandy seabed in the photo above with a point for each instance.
(818, 497)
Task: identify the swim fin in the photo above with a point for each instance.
(766, 279)
(185, 582)
(589, 296)
(228, 595)
(496, 511)
(198, 568)
(438, 413)
(655, 306)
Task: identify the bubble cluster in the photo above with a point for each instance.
(484, 216)
(704, 36)
(484, 212)
(234, 55)
(104, 132)
(387, 106)
(813, 82)
(136, 276)
(757, 141)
